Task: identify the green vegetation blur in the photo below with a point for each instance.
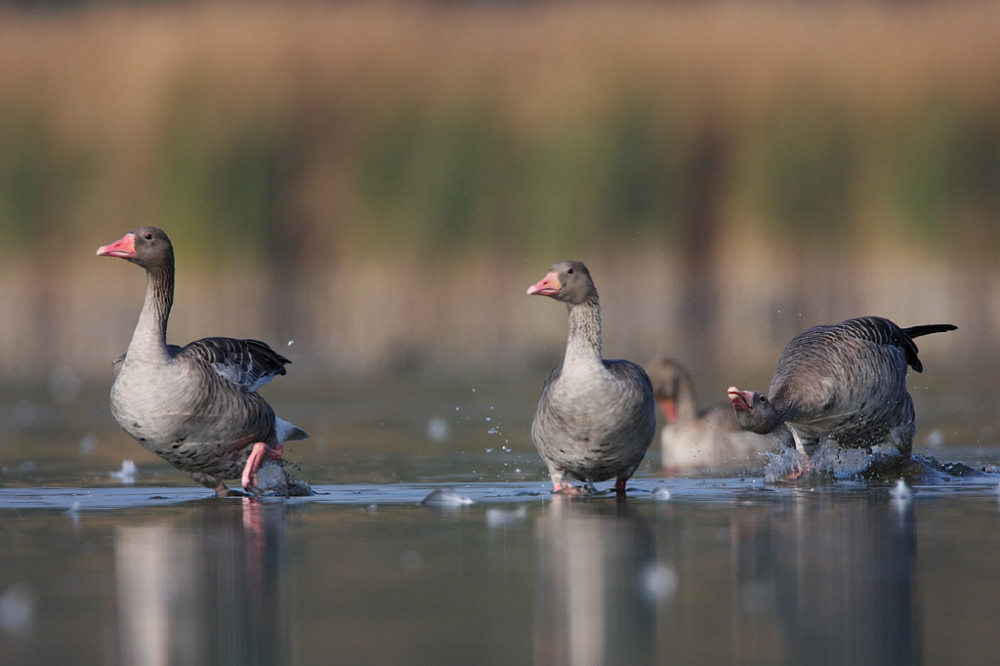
(381, 182)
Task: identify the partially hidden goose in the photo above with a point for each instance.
(694, 438)
(844, 383)
(595, 418)
(196, 406)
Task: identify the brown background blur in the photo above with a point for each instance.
(380, 183)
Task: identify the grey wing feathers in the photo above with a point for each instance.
(631, 373)
(247, 363)
(637, 383)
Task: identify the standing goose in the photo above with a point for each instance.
(197, 406)
(844, 382)
(710, 438)
(595, 418)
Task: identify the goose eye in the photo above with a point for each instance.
(569, 271)
(763, 400)
(148, 236)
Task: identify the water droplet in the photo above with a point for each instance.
(127, 473)
(661, 494)
(659, 581)
(900, 495)
(88, 443)
(437, 429)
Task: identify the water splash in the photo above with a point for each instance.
(832, 461)
(445, 498)
(785, 465)
(127, 474)
(900, 495)
(660, 494)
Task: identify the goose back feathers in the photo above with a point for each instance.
(845, 382)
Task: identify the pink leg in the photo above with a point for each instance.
(565, 489)
(801, 469)
(260, 449)
(620, 486)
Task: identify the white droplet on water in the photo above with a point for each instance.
(127, 473)
(659, 581)
(900, 495)
(437, 429)
(446, 497)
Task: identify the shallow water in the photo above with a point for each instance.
(724, 569)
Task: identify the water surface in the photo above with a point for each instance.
(727, 569)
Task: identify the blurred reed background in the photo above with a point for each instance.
(381, 182)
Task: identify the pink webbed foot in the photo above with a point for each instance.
(565, 489)
(800, 469)
(260, 450)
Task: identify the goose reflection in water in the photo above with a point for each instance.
(207, 592)
(593, 600)
(814, 578)
(826, 580)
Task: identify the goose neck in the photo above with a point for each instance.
(583, 345)
(151, 330)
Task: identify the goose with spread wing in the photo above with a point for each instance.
(196, 406)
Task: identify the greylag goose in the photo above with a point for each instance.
(845, 383)
(196, 406)
(595, 418)
(693, 438)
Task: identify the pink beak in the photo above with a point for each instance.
(547, 286)
(740, 399)
(123, 247)
(669, 408)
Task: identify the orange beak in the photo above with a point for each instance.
(123, 247)
(547, 286)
